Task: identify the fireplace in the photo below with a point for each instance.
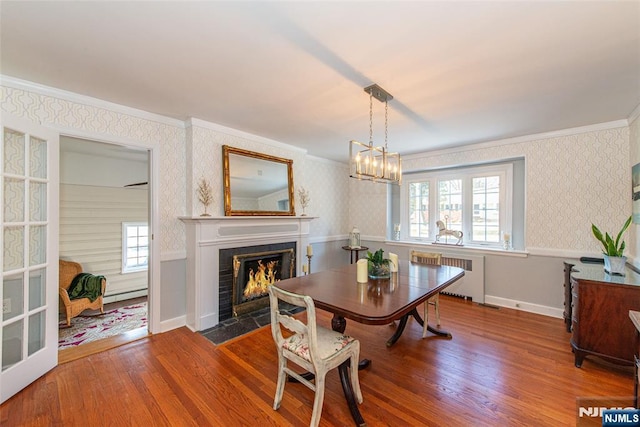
(253, 274)
(212, 243)
(247, 272)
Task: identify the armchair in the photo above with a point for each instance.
(73, 307)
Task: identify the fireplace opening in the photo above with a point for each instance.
(253, 273)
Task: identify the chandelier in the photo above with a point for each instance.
(375, 163)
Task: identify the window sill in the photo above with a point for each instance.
(465, 248)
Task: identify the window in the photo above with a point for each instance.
(135, 246)
(475, 200)
(419, 209)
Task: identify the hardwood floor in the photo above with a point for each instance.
(502, 367)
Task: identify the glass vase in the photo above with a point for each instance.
(379, 271)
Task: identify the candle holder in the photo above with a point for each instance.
(309, 264)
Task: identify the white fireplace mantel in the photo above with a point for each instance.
(207, 235)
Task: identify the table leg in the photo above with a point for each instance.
(403, 323)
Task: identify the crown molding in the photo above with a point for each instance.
(634, 115)
(326, 161)
(25, 85)
(519, 139)
(240, 134)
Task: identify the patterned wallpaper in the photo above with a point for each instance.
(571, 181)
(49, 110)
(325, 180)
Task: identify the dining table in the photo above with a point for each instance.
(375, 302)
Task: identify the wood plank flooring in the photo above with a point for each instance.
(502, 367)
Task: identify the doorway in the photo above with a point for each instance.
(104, 194)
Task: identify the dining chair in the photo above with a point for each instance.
(428, 258)
(312, 347)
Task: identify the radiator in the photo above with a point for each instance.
(471, 286)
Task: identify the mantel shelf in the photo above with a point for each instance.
(245, 218)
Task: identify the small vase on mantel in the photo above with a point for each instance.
(615, 265)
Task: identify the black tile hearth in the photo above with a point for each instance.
(236, 326)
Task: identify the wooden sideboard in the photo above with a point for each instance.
(598, 306)
(635, 318)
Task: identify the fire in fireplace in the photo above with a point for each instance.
(253, 273)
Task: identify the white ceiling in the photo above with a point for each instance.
(294, 72)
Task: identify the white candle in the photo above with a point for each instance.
(309, 250)
(305, 268)
(361, 271)
(393, 264)
(507, 237)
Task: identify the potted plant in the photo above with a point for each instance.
(378, 265)
(614, 260)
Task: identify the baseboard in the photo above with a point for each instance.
(175, 323)
(524, 306)
(125, 296)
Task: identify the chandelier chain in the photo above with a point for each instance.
(371, 118)
(386, 124)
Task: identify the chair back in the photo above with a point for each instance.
(67, 270)
(290, 323)
(427, 258)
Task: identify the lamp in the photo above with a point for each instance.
(375, 163)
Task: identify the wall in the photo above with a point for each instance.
(80, 116)
(187, 152)
(91, 231)
(579, 177)
(326, 181)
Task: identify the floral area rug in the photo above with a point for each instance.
(85, 329)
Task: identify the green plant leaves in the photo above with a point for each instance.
(611, 247)
(377, 258)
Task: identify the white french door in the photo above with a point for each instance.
(29, 182)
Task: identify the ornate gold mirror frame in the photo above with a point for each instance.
(257, 184)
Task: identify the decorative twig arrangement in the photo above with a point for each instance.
(205, 195)
(305, 198)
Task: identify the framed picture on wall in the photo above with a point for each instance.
(635, 191)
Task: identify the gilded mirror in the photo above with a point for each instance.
(256, 184)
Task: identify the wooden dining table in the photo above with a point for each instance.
(376, 302)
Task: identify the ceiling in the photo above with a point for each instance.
(294, 72)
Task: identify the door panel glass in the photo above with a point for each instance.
(37, 158)
(36, 332)
(14, 196)
(37, 244)
(13, 295)
(12, 344)
(37, 280)
(29, 222)
(37, 201)
(13, 248)
(14, 152)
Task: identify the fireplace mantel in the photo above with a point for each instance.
(207, 235)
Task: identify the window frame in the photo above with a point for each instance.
(466, 174)
(126, 269)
